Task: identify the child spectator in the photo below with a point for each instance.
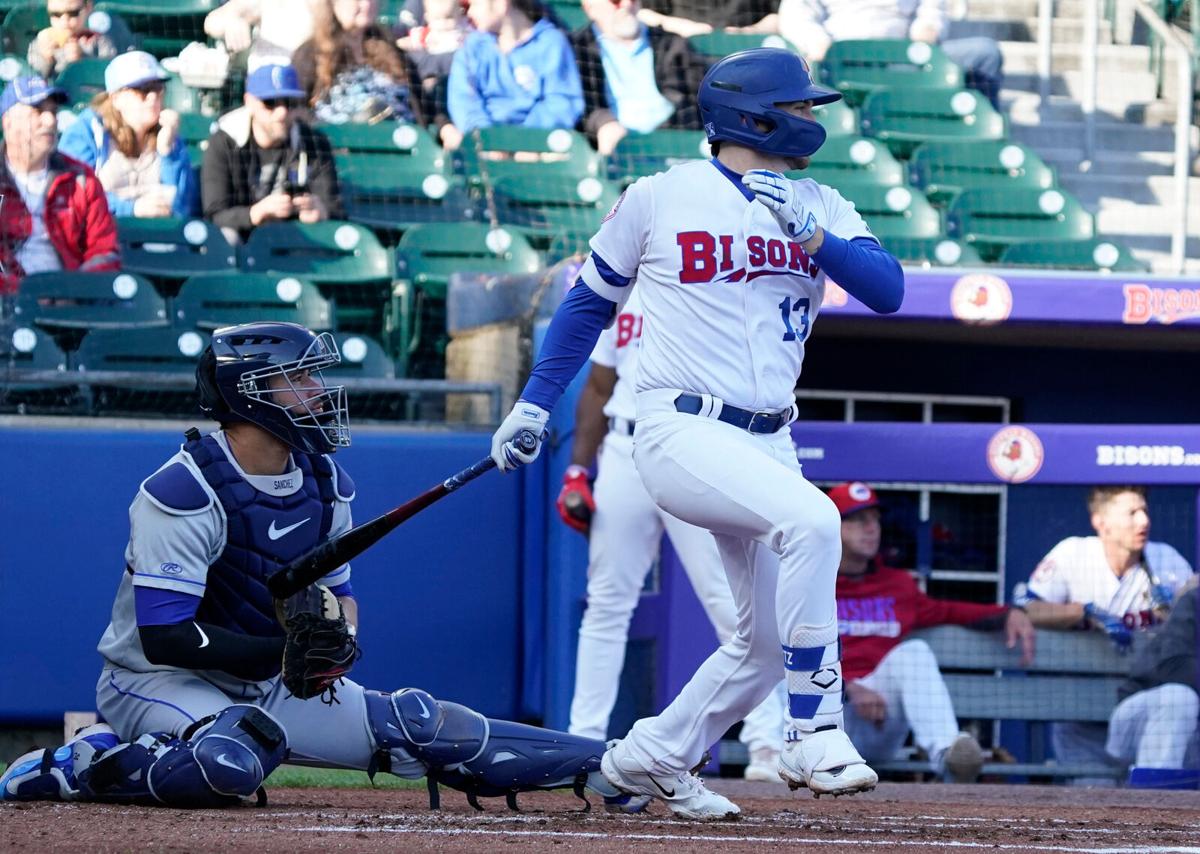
(517, 69)
(431, 44)
(67, 39)
(134, 144)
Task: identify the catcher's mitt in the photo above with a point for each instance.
(320, 648)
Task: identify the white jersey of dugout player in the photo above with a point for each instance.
(1076, 571)
(174, 552)
(617, 348)
(757, 286)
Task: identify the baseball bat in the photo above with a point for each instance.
(332, 553)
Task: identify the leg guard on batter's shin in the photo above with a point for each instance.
(53, 774)
(223, 760)
(477, 755)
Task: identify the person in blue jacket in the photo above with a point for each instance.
(516, 69)
(134, 144)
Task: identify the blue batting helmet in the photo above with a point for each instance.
(269, 374)
(745, 87)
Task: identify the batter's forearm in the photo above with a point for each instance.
(1052, 615)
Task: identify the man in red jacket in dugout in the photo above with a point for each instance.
(893, 685)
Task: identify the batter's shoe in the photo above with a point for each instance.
(49, 775)
(684, 793)
(827, 763)
(962, 760)
(764, 766)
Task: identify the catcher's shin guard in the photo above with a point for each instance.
(477, 755)
(224, 760)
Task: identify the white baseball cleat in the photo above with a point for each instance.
(827, 763)
(684, 793)
(763, 767)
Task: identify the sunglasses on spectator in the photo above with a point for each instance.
(272, 103)
(144, 89)
(66, 13)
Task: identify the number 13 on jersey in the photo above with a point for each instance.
(786, 309)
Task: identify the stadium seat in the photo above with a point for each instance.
(1097, 254)
(858, 67)
(195, 129)
(562, 211)
(212, 301)
(493, 153)
(25, 347)
(838, 119)
(895, 211)
(391, 137)
(932, 252)
(166, 26)
(169, 250)
(992, 220)
(640, 154)
(68, 304)
(13, 66)
(905, 118)
(382, 192)
(425, 259)
(364, 359)
(570, 14)
(721, 43)
(945, 169)
(164, 351)
(82, 80)
(845, 160)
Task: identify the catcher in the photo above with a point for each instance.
(208, 683)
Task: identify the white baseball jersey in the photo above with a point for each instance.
(174, 552)
(617, 348)
(728, 299)
(1076, 571)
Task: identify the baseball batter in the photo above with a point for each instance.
(626, 529)
(198, 712)
(730, 259)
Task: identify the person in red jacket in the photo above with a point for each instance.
(893, 685)
(53, 211)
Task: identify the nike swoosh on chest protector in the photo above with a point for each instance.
(275, 533)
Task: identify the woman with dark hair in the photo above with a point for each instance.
(516, 69)
(133, 144)
(352, 69)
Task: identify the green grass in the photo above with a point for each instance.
(295, 777)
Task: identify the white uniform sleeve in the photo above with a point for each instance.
(841, 218)
(172, 552)
(620, 244)
(605, 353)
(1168, 565)
(1049, 581)
(341, 523)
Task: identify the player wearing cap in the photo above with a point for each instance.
(893, 685)
(54, 215)
(730, 259)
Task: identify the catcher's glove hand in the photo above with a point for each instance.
(320, 648)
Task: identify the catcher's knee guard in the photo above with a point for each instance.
(478, 755)
(223, 761)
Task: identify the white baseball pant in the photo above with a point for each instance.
(780, 542)
(627, 529)
(1154, 728)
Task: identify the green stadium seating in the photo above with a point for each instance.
(168, 251)
(945, 169)
(905, 118)
(362, 358)
(493, 153)
(640, 154)
(384, 137)
(569, 13)
(838, 119)
(847, 160)
(425, 259)
(858, 67)
(162, 350)
(895, 211)
(388, 193)
(82, 80)
(554, 210)
(165, 26)
(25, 347)
(932, 252)
(1097, 254)
(212, 301)
(992, 220)
(67, 304)
(721, 43)
(183, 98)
(195, 129)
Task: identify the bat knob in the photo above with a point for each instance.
(526, 441)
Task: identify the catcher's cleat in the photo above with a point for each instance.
(627, 804)
(827, 763)
(684, 793)
(51, 774)
(763, 766)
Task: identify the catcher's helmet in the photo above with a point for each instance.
(746, 86)
(236, 381)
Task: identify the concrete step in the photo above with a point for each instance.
(1018, 9)
(1110, 136)
(1133, 164)
(1108, 191)
(1117, 99)
(1021, 57)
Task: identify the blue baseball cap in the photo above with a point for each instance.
(274, 81)
(30, 90)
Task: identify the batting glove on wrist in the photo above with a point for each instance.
(575, 502)
(780, 197)
(1111, 624)
(524, 416)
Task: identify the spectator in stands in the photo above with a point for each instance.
(697, 17)
(635, 78)
(264, 163)
(516, 69)
(1117, 582)
(134, 144)
(893, 685)
(813, 25)
(271, 31)
(432, 42)
(1154, 725)
(53, 214)
(352, 69)
(67, 39)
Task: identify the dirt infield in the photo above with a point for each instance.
(896, 817)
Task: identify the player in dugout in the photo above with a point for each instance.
(208, 683)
